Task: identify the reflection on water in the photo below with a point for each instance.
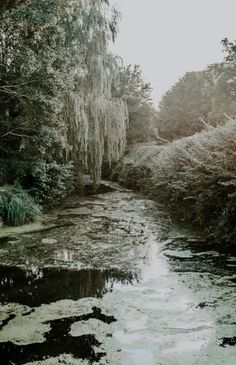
(36, 286)
(80, 347)
(64, 255)
(196, 257)
(57, 341)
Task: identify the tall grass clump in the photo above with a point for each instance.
(17, 207)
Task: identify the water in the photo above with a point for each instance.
(117, 285)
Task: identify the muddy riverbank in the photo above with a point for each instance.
(111, 283)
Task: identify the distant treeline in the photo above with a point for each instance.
(199, 98)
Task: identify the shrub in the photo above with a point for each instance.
(51, 180)
(136, 169)
(194, 177)
(16, 206)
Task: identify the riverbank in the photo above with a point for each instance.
(194, 178)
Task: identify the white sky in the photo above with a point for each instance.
(170, 37)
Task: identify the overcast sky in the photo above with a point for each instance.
(170, 37)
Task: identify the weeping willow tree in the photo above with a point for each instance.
(96, 120)
(57, 110)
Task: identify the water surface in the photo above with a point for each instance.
(112, 285)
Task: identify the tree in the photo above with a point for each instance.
(96, 119)
(230, 49)
(56, 106)
(137, 94)
(33, 75)
(200, 98)
(182, 107)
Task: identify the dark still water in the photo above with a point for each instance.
(110, 284)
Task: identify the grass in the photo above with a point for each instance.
(17, 207)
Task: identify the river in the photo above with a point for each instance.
(111, 281)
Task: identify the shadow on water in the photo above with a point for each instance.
(58, 341)
(33, 287)
(231, 341)
(36, 286)
(206, 257)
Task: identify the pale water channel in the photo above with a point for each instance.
(114, 283)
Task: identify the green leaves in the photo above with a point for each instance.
(200, 98)
(51, 49)
(34, 74)
(17, 207)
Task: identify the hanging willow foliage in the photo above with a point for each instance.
(97, 130)
(58, 115)
(96, 120)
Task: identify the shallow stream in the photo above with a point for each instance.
(111, 281)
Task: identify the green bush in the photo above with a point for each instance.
(193, 177)
(51, 180)
(16, 206)
(136, 169)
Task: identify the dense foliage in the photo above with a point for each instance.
(58, 116)
(199, 98)
(137, 94)
(182, 107)
(16, 206)
(137, 167)
(196, 178)
(32, 77)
